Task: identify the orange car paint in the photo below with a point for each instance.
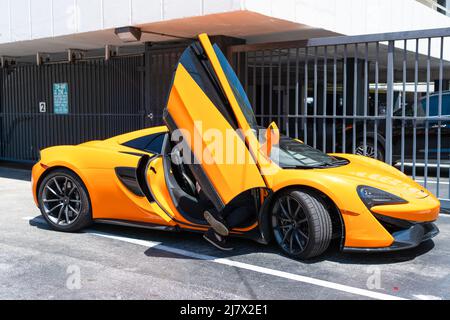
(94, 163)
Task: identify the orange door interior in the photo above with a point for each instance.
(199, 111)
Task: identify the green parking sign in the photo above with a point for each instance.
(61, 98)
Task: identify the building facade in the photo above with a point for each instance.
(331, 72)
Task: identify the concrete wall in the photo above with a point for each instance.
(353, 17)
(34, 19)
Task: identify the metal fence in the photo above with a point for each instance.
(104, 98)
(384, 95)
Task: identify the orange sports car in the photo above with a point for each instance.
(300, 197)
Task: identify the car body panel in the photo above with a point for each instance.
(339, 184)
(96, 162)
(109, 198)
(189, 108)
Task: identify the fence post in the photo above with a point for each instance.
(389, 102)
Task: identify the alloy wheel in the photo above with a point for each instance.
(290, 225)
(61, 200)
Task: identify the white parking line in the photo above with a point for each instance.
(241, 265)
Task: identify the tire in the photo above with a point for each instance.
(311, 228)
(65, 205)
(370, 149)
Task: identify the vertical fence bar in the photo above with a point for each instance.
(255, 64)
(324, 104)
(297, 93)
(315, 100)
(279, 106)
(344, 103)
(416, 81)
(390, 101)
(402, 142)
(427, 111)
(377, 78)
(270, 86)
(366, 93)
(262, 91)
(246, 71)
(355, 97)
(334, 98)
(286, 103)
(441, 75)
(305, 100)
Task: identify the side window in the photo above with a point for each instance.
(152, 143)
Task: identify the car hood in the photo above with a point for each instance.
(367, 171)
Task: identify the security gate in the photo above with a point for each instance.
(386, 96)
(100, 99)
(160, 64)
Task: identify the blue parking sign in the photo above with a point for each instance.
(61, 98)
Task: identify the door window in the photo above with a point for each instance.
(205, 79)
(237, 88)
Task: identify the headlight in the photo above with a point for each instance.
(376, 197)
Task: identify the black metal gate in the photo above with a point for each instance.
(160, 65)
(104, 99)
(381, 95)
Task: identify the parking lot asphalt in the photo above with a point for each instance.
(111, 262)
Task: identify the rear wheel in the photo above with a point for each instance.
(301, 224)
(64, 201)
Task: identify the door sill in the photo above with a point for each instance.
(135, 224)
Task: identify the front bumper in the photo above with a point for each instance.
(404, 239)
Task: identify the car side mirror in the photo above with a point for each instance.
(272, 136)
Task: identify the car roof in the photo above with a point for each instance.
(137, 134)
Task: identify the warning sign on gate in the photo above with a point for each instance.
(61, 98)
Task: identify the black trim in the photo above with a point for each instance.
(127, 175)
(134, 224)
(405, 239)
(264, 218)
(392, 223)
(141, 174)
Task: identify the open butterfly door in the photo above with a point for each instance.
(201, 109)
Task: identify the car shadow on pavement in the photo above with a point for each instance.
(191, 246)
(373, 258)
(245, 247)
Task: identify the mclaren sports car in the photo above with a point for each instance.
(297, 196)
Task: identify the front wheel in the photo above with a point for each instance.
(64, 201)
(301, 224)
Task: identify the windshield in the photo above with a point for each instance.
(291, 153)
(236, 86)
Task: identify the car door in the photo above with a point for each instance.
(203, 110)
